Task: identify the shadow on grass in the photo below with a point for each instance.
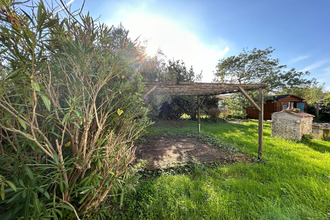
(322, 148)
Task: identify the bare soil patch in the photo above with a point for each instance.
(169, 151)
(169, 123)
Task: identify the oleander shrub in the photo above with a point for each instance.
(70, 109)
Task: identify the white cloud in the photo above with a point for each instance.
(314, 65)
(174, 41)
(299, 58)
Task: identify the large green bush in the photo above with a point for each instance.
(70, 108)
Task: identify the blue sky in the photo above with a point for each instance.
(202, 32)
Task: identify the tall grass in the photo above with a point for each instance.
(292, 181)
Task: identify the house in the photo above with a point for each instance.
(276, 104)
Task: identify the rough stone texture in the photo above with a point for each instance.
(321, 131)
(291, 125)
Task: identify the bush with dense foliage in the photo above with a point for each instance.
(178, 106)
(324, 111)
(214, 114)
(70, 108)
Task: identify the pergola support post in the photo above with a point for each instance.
(249, 98)
(199, 118)
(260, 108)
(199, 113)
(199, 104)
(261, 120)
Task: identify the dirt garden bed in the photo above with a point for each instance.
(160, 152)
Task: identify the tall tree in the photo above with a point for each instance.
(165, 106)
(258, 66)
(312, 94)
(176, 71)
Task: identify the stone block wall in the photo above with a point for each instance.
(321, 131)
(290, 125)
(306, 125)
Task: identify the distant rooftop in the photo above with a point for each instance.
(277, 97)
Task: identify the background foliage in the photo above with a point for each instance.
(259, 67)
(165, 106)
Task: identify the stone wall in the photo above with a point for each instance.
(306, 125)
(290, 125)
(321, 131)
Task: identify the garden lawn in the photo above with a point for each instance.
(292, 181)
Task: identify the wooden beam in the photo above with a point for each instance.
(261, 120)
(152, 89)
(249, 98)
(189, 88)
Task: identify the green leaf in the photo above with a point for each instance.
(85, 191)
(66, 116)
(83, 198)
(120, 112)
(21, 183)
(61, 186)
(29, 172)
(78, 126)
(56, 159)
(36, 86)
(60, 213)
(22, 123)
(66, 184)
(46, 100)
(36, 203)
(40, 15)
(2, 191)
(14, 73)
(131, 187)
(122, 197)
(44, 192)
(11, 185)
(65, 206)
(27, 204)
(14, 197)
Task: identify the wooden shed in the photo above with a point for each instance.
(276, 104)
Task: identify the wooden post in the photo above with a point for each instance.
(261, 120)
(199, 114)
(249, 98)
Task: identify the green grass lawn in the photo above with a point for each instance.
(292, 181)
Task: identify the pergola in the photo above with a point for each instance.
(206, 89)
